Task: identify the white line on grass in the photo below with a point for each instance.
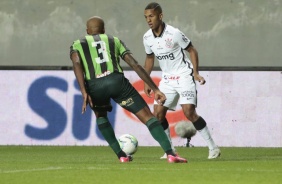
(139, 168)
(238, 170)
(32, 170)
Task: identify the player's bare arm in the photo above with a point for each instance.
(79, 74)
(159, 96)
(195, 62)
(149, 64)
(140, 71)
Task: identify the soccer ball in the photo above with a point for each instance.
(128, 143)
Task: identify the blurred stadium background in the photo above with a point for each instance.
(226, 32)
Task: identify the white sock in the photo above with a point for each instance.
(205, 133)
(167, 132)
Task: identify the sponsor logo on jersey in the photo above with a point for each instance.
(188, 94)
(167, 56)
(127, 102)
(103, 74)
(171, 77)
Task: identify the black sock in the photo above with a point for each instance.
(200, 123)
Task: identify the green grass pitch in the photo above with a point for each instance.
(99, 165)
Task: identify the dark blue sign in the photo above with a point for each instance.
(55, 115)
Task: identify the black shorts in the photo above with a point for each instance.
(115, 86)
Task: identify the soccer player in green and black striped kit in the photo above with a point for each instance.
(96, 66)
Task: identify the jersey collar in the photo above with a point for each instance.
(164, 26)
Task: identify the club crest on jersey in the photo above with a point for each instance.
(169, 43)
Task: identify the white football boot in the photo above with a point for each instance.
(214, 153)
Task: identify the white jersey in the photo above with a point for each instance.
(169, 50)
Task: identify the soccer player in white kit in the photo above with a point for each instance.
(168, 45)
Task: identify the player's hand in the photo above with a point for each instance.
(148, 91)
(89, 100)
(200, 79)
(160, 97)
(84, 104)
(86, 100)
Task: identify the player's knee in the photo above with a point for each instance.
(159, 115)
(160, 112)
(144, 115)
(191, 115)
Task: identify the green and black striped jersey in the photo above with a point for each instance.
(100, 54)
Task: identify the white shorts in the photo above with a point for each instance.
(178, 89)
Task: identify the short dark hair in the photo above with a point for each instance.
(155, 6)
